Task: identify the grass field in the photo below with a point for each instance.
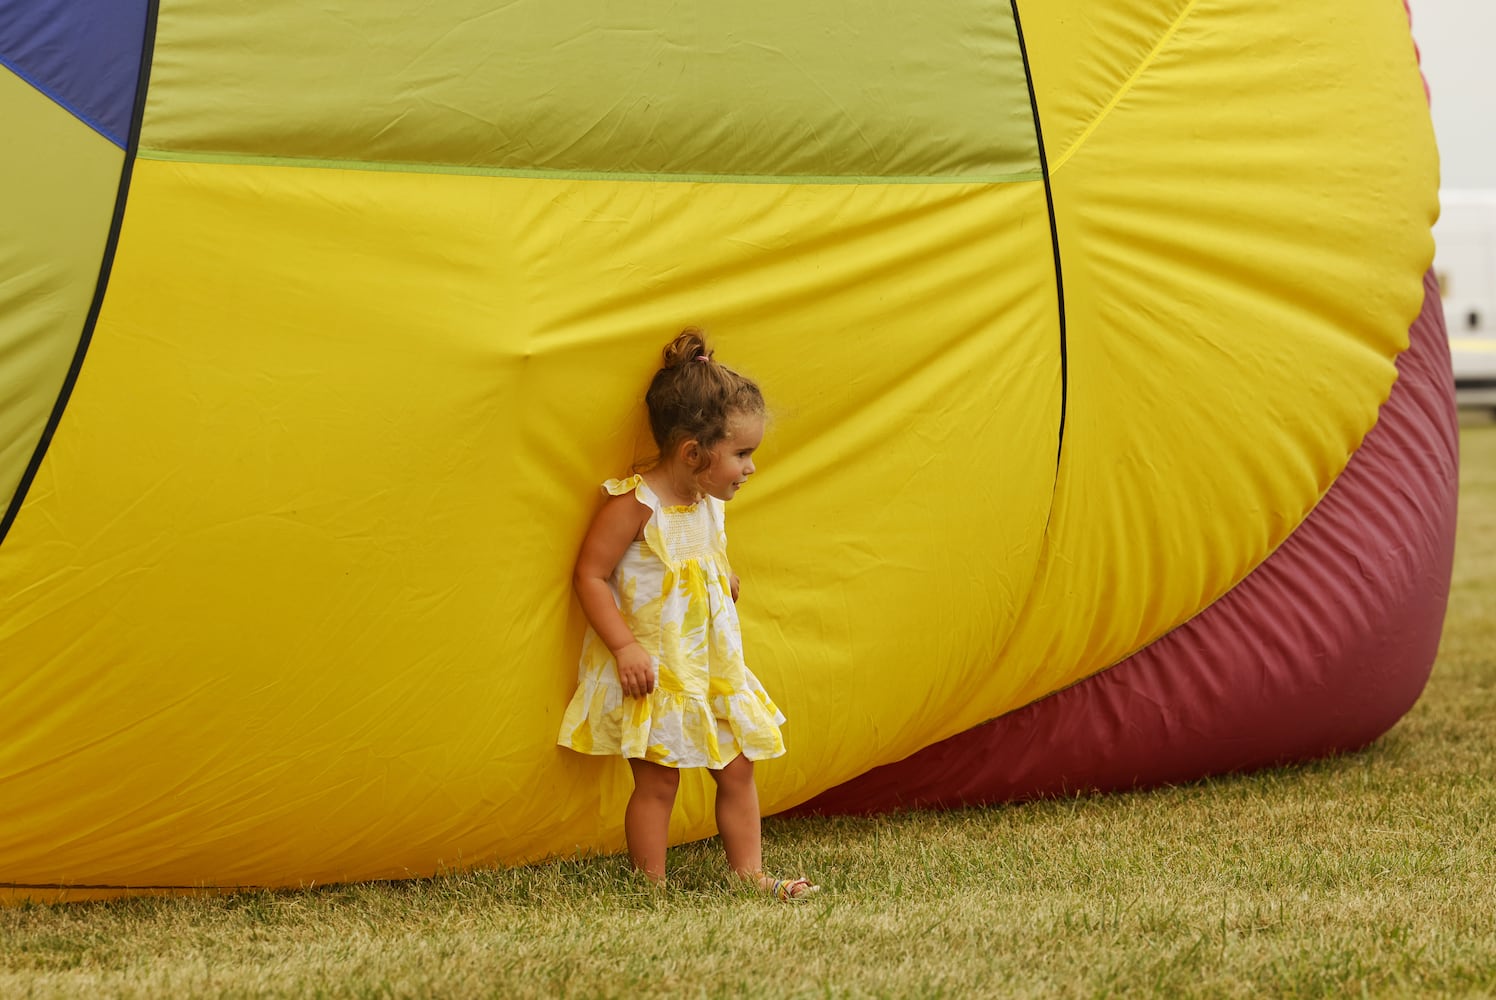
(1370, 874)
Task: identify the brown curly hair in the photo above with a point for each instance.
(694, 396)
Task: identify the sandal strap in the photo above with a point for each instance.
(784, 888)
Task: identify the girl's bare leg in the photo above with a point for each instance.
(738, 818)
(646, 821)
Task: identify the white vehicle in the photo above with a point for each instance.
(1465, 264)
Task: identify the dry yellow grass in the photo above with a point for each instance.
(1366, 874)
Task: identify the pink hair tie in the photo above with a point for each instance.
(702, 357)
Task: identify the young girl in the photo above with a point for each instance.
(662, 677)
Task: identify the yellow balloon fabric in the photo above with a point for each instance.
(289, 599)
(650, 88)
(57, 192)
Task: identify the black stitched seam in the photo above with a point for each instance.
(1054, 238)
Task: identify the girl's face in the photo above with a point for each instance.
(730, 461)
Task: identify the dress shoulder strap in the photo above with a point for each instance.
(654, 537)
(636, 485)
(717, 517)
(618, 487)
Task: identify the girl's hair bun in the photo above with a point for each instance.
(689, 399)
(689, 345)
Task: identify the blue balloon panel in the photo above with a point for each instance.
(83, 54)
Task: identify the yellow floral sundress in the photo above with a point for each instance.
(673, 590)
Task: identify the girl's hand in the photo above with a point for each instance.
(732, 585)
(636, 673)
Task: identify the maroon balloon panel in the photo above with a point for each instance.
(1321, 649)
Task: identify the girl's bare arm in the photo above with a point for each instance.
(611, 533)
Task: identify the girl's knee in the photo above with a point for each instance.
(655, 780)
(737, 772)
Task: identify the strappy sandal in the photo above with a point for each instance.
(789, 890)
